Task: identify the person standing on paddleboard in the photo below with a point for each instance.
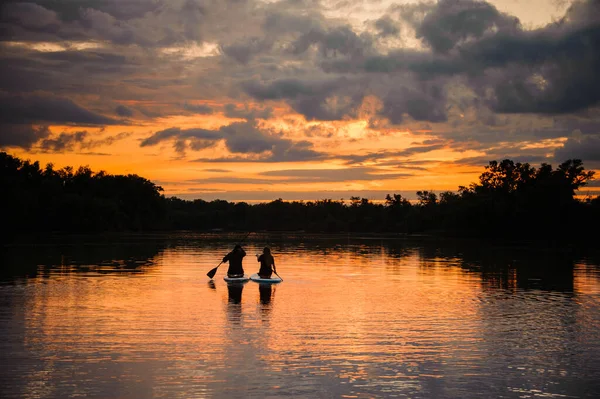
(267, 264)
(235, 262)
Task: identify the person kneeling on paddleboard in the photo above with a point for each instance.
(267, 264)
(235, 262)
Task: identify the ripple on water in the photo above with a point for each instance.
(362, 320)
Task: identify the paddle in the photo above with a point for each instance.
(277, 275)
(212, 272)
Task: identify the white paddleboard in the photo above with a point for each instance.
(236, 279)
(258, 279)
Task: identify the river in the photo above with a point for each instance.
(135, 316)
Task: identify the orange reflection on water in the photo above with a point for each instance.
(355, 319)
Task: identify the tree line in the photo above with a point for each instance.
(513, 200)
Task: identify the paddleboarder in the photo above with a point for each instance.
(235, 262)
(267, 263)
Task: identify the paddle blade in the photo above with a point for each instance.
(212, 272)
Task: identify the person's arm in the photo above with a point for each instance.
(243, 252)
(226, 257)
(259, 257)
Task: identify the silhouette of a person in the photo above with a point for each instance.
(267, 264)
(235, 262)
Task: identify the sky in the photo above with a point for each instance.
(254, 100)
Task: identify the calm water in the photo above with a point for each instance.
(137, 317)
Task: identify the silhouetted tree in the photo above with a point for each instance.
(510, 200)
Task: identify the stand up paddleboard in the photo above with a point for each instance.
(258, 279)
(236, 279)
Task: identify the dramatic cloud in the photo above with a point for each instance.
(232, 111)
(34, 109)
(387, 26)
(239, 138)
(124, 111)
(454, 22)
(397, 85)
(331, 99)
(23, 136)
(144, 23)
(63, 141)
(198, 109)
(587, 148)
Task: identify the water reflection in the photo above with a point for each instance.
(266, 291)
(266, 295)
(79, 254)
(235, 292)
(354, 318)
(234, 302)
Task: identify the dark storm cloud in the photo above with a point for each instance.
(89, 58)
(246, 49)
(386, 26)
(82, 139)
(64, 72)
(239, 138)
(180, 137)
(124, 10)
(145, 23)
(326, 99)
(565, 80)
(109, 140)
(122, 110)
(288, 89)
(34, 108)
(245, 112)
(585, 148)
(63, 141)
(451, 22)
(23, 136)
(23, 16)
(564, 125)
(198, 108)
(290, 52)
(550, 70)
(427, 104)
(333, 42)
(281, 21)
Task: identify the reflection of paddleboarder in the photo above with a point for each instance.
(235, 293)
(267, 295)
(267, 263)
(235, 262)
(265, 292)
(234, 305)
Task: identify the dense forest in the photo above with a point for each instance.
(511, 200)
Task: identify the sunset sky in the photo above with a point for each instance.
(300, 99)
